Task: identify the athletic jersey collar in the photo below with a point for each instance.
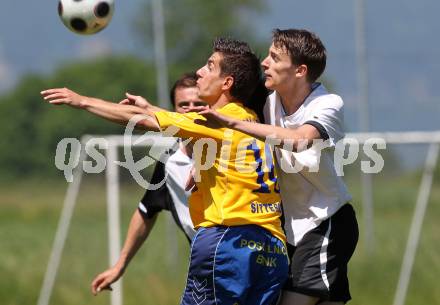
(318, 89)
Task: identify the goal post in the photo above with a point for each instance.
(431, 138)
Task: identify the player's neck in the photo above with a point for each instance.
(292, 98)
(222, 101)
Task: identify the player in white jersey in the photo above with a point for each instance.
(170, 196)
(320, 223)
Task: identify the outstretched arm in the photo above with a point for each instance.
(118, 113)
(138, 231)
(300, 138)
(139, 101)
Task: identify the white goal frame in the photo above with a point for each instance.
(113, 214)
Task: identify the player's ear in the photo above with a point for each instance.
(228, 82)
(301, 71)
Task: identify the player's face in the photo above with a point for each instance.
(186, 99)
(210, 81)
(278, 68)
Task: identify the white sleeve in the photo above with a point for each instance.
(328, 112)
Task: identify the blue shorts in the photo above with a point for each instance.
(240, 265)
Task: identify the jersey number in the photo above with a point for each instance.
(264, 188)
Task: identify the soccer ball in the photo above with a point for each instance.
(86, 17)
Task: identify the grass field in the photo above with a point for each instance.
(30, 211)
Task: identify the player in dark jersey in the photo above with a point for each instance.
(170, 196)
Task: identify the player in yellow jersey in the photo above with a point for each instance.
(238, 254)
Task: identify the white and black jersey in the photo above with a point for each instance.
(171, 195)
(314, 192)
(320, 224)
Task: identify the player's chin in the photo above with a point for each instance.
(269, 84)
(205, 96)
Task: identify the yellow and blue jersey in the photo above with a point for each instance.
(240, 188)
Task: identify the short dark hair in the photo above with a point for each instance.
(242, 64)
(304, 48)
(187, 80)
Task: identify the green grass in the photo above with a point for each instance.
(29, 213)
(28, 221)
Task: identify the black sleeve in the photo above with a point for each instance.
(322, 132)
(157, 200)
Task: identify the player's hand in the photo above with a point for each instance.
(212, 116)
(62, 96)
(135, 100)
(103, 280)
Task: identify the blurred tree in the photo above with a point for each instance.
(191, 26)
(30, 129)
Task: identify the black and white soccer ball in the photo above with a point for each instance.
(86, 17)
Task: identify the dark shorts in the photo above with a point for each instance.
(319, 261)
(240, 265)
